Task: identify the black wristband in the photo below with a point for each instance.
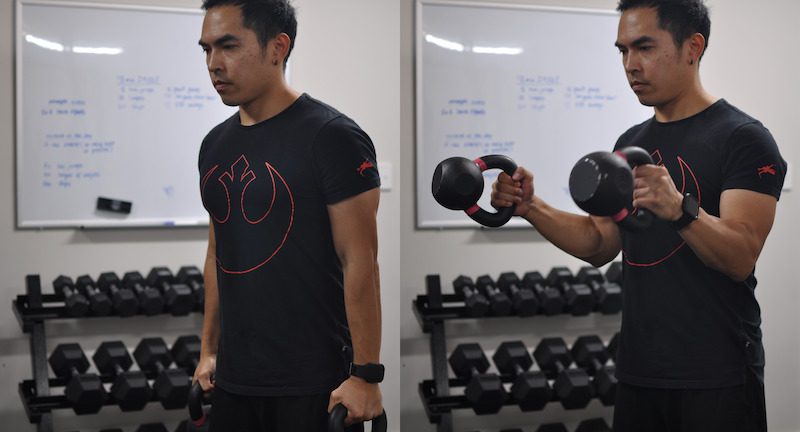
(370, 372)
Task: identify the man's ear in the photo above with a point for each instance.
(695, 46)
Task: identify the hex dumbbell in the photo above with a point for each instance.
(577, 296)
(178, 297)
(590, 354)
(186, 352)
(484, 390)
(83, 390)
(171, 385)
(607, 295)
(524, 300)
(99, 301)
(572, 386)
(550, 300)
(475, 303)
(130, 389)
(500, 303)
(124, 300)
(530, 389)
(150, 299)
(76, 304)
(193, 278)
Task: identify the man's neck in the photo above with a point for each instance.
(693, 101)
(268, 106)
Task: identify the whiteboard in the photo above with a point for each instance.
(544, 86)
(111, 101)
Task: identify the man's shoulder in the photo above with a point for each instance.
(321, 115)
(219, 129)
(731, 116)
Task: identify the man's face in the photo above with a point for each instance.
(239, 68)
(657, 70)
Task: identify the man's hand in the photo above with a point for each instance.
(205, 372)
(362, 400)
(516, 189)
(654, 190)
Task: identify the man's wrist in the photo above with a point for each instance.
(369, 372)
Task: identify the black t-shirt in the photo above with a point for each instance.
(685, 325)
(266, 188)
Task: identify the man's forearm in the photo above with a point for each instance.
(210, 337)
(590, 239)
(362, 302)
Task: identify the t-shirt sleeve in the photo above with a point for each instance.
(752, 161)
(345, 160)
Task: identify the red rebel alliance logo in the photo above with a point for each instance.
(248, 200)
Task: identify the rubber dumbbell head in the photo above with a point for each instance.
(572, 386)
(484, 391)
(524, 300)
(178, 297)
(76, 304)
(150, 299)
(550, 300)
(530, 388)
(130, 388)
(124, 300)
(578, 297)
(171, 385)
(607, 295)
(475, 303)
(100, 302)
(84, 391)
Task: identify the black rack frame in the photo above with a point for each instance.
(31, 311)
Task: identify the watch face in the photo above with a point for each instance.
(690, 206)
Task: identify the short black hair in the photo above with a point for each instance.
(267, 18)
(682, 18)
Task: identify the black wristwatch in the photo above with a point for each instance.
(370, 372)
(691, 211)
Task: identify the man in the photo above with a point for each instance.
(292, 309)
(690, 356)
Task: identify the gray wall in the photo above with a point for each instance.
(346, 55)
(751, 63)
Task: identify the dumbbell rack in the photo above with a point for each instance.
(432, 310)
(32, 310)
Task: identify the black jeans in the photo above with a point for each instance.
(236, 413)
(731, 409)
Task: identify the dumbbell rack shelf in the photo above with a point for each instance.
(32, 310)
(432, 310)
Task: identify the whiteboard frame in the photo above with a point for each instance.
(19, 140)
(419, 121)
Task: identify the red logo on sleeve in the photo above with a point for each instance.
(769, 169)
(365, 166)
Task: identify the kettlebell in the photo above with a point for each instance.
(601, 184)
(458, 185)
(198, 416)
(338, 414)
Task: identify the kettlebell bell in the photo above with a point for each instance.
(458, 185)
(601, 184)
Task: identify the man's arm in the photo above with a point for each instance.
(595, 240)
(210, 338)
(730, 243)
(355, 237)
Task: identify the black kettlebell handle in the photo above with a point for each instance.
(197, 415)
(503, 215)
(634, 219)
(339, 413)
